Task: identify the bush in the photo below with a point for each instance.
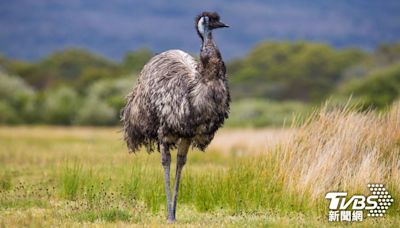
(68, 67)
(15, 96)
(7, 114)
(290, 71)
(13, 86)
(378, 89)
(134, 61)
(261, 113)
(111, 92)
(60, 106)
(96, 112)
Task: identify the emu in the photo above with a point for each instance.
(178, 102)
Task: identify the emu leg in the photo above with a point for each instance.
(166, 163)
(180, 162)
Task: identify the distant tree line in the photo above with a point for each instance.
(269, 84)
(309, 72)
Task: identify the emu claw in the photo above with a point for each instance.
(171, 220)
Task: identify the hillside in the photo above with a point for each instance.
(33, 29)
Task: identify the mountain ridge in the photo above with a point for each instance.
(32, 29)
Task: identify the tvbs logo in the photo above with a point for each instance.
(342, 209)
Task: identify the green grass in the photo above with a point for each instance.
(240, 187)
(5, 181)
(111, 215)
(75, 176)
(70, 181)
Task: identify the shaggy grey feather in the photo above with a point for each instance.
(177, 97)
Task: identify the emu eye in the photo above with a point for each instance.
(205, 20)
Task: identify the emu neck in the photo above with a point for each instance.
(212, 65)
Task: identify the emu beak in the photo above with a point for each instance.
(219, 25)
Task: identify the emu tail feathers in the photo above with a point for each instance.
(132, 138)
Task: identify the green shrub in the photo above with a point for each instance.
(134, 61)
(378, 89)
(15, 97)
(95, 112)
(261, 113)
(60, 106)
(112, 91)
(103, 102)
(290, 71)
(13, 86)
(7, 114)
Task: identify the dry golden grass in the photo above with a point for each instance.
(245, 142)
(342, 149)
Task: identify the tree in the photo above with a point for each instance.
(60, 106)
(378, 89)
(290, 71)
(134, 61)
(66, 67)
(15, 98)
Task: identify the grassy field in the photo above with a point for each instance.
(52, 176)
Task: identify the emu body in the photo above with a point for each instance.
(178, 102)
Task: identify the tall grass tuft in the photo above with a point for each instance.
(71, 179)
(342, 149)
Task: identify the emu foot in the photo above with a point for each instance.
(171, 219)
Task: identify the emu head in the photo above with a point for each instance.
(207, 21)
